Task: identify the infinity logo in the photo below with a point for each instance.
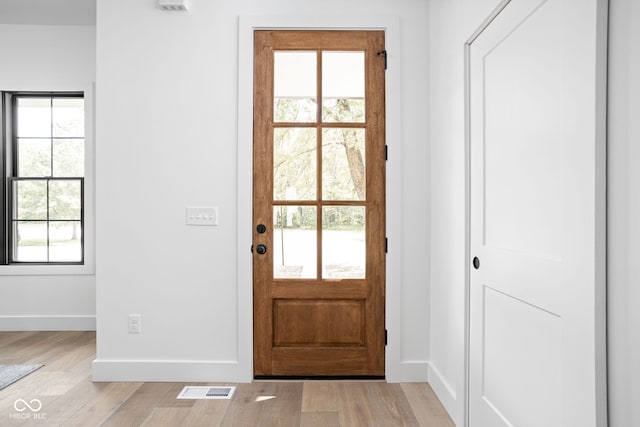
(21, 405)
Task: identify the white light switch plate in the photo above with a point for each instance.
(134, 323)
(202, 216)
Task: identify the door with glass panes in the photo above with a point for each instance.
(319, 203)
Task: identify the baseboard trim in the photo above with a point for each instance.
(443, 389)
(47, 323)
(169, 371)
(414, 371)
(206, 371)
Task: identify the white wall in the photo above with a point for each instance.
(452, 22)
(50, 58)
(167, 138)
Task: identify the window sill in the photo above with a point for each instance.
(47, 270)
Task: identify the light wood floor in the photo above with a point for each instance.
(69, 398)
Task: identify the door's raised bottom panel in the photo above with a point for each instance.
(318, 322)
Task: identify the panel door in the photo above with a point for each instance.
(537, 217)
(319, 203)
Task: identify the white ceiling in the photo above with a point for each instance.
(48, 12)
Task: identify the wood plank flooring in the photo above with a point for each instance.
(69, 398)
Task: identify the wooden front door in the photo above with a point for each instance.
(537, 319)
(319, 203)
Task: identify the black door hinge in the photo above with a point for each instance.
(386, 245)
(385, 337)
(383, 53)
(386, 152)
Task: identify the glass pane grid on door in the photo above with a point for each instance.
(319, 165)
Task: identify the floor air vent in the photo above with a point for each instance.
(206, 392)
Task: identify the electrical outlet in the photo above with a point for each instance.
(134, 323)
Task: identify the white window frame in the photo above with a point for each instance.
(88, 268)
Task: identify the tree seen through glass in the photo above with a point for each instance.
(343, 177)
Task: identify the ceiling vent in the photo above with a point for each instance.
(172, 4)
(206, 392)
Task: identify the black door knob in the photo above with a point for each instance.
(261, 249)
(476, 263)
(261, 228)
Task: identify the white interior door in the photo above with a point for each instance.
(536, 139)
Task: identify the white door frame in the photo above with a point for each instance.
(601, 138)
(391, 25)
